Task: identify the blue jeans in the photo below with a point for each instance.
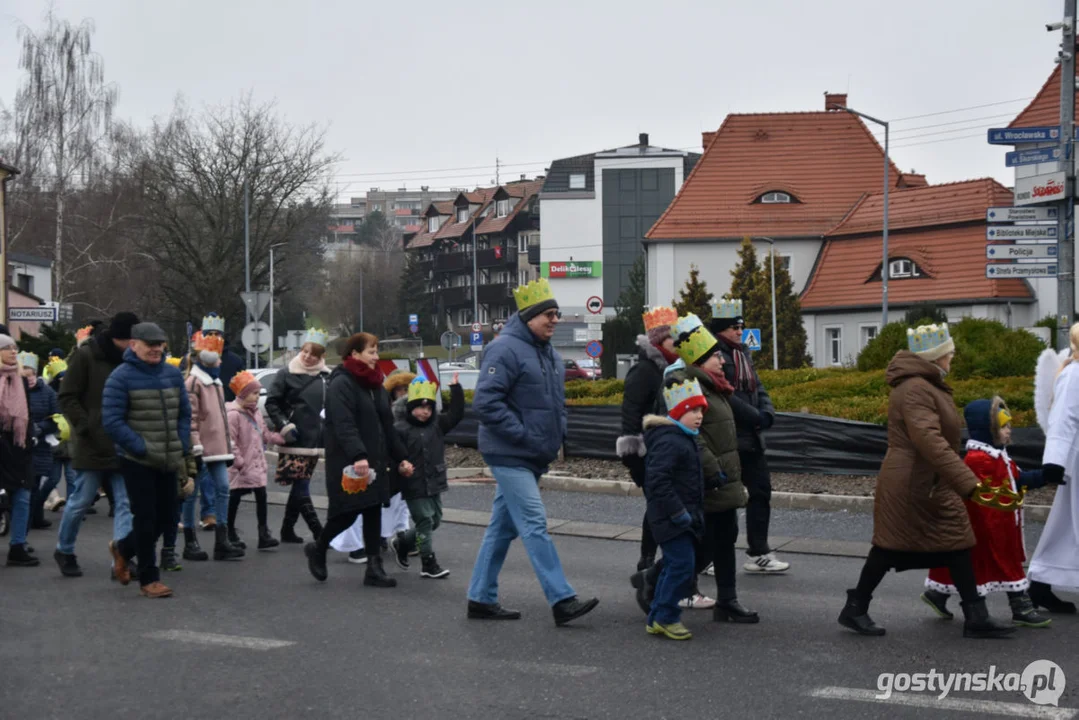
(675, 580)
(517, 511)
(219, 476)
(208, 495)
(209, 488)
(20, 516)
(87, 483)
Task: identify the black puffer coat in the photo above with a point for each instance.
(17, 463)
(643, 387)
(299, 399)
(753, 411)
(426, 445)
(359, 426)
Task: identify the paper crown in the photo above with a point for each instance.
(692, 341)
(55, 368)
(84, 333)
(213, 323)
(926, 337)
(29, 360)
(174, 361)
(660, 317)
(63, 427)
(240, 381)
(212, 343)
(1001, 497)
(317, 337)
(533, 293)
(681, 397)
(1003, 417)
(420, 389)
(726, 309)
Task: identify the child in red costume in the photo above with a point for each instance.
(999, 555)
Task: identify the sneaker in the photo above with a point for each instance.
(431, 569)
(674, 631)
(169, 563)
(697, 602)
(208, 523)
(765, 564)
(18, 556)
(710, 570)
(155, 590)
(400, 551)
(69, 566)
(358, 557)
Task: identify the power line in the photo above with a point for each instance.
(963, 109)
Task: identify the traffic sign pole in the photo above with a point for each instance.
(1066, 224)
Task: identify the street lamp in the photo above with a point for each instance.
(272, 335)
(775, 330)
(884, 265)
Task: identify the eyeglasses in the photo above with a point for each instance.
(553, 314)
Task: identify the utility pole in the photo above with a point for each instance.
(475, 277)
(498, 176)
(247, 253)
(1066, 215)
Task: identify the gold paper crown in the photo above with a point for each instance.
(239, 381)
(420, 389)
(692, 341)
(726, 309)
(926, 337)
(533, 293)
(1001, 497)
(660, 316)
(688, 393)
(317, 337)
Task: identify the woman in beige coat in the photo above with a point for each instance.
(919, 520)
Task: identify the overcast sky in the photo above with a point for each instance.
(446, 88)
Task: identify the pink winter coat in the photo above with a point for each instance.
(250, 436)
(209, 429)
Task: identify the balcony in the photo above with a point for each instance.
(496, 294)
(496, 257)
(533, 254)
(455, 296)
(453, 262)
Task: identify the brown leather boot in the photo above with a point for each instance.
(155, 590)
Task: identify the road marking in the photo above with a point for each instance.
(236, 641)
(992, 707)
(531, 668)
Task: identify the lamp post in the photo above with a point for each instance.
(272, 332)
(884, 265)
(775, 329)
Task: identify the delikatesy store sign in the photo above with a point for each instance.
(586, 269)
(1039, 189)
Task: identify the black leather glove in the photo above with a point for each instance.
(1053, 475)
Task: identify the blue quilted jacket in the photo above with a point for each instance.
(43, 405)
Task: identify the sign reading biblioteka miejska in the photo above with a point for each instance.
(571, 269)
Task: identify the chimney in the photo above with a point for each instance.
(706, 138)
(832, 100)
(643, 139)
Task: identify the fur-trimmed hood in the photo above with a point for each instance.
(204, 377)
(398, 380)
(655, 421)
(648, 351)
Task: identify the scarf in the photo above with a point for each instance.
(14, 413)
(720, 381)
(214, 372)
(744, 378)
(670, 356)
(370, 378)
(296, 367)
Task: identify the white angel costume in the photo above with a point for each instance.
(395, 518)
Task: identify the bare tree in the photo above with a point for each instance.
(63, 109)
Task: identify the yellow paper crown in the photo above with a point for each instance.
(54, 368)
(692, 341)
(686, 393)
(420, 389)
(533, 293)
(1003, 417)
(926, 337)
(659, 317)
(1001, 497)
(726, 309)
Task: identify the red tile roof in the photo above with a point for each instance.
(928, 206)
(827, 160)
(424, 238)
(1044, 109)
(524, 191)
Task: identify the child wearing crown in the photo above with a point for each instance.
(250, 436)
(999, 554)
(424, 433)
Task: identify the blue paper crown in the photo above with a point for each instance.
(677, 394)
(686, 326)
(213, 323)
(317, 337)
(30, 360)
(926, 337)
(727, 309)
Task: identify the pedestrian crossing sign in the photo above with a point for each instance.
(751, 339)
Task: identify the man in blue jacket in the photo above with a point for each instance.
(146, 412)
(520, 402)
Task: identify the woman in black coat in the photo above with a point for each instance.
(359, 435)
(16, 459)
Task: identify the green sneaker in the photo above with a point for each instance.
(674, 631)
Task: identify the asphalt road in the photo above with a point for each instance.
(261, 639)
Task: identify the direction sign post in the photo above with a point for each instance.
(1020, 214)
(1021, 232)
(1026, 251)
(1035, 156)
(751, 339)
(1021, 270)
(1021, 136)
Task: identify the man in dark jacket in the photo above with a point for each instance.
(146, 412)
(754, 413)
(214, 326)
(640, 395)
(93, 454)
(520, 403)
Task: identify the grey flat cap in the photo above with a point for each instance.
(149, 333)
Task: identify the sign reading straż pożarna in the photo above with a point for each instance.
(572, 269)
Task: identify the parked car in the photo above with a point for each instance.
(592, 367)
(468, 376)
(575, 371)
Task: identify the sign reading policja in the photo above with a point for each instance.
(585, 269)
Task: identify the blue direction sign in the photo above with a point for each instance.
(1019, 136)
(751, 338)
(1034, 157)
(594, 349)
(1021, 270)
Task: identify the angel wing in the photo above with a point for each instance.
(1049, 364)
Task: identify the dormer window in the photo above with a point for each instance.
(576, 182)
(503, 208)
(462, 214)
(432, 223)
(775, 197)
(903, 268)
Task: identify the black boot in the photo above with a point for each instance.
(192, 550)
(402, 544)
(570, 609)
(732, 611)
(288, 524)
(1041, 595)
(316, 561)
(490, 611)
(646, 562)
(266, 540)
(939, 602)
(17, 556)
(289, 536)
(979, 624)
(223, 549)
(431, 568)
(1023, 612)
(234, 539)
(645, 584)
(168, 560)
(376, 575)
(310, 516)
(855, 615)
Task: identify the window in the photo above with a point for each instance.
(576, 181)
(903, 268)
(25, 282)
(484, 315)
(833, 340)
(784, 261)
(522, 277)
(775, 197)
(432, 223)
(503, 278)
(868, 332)
(464, 316)
(503, 208)
(522, 243)
(462, 214)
